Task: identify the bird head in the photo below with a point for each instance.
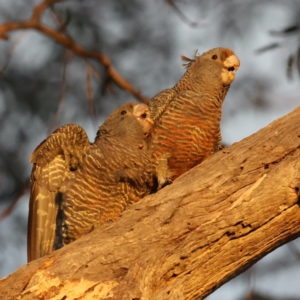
(216, 62)
(129, 119)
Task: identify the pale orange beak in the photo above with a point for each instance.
(142, 113)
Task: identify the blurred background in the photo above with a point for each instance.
(43, 86)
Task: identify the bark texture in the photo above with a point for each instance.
(211, 224)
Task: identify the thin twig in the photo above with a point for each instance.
(62, 91)
(11, 51)
(35, 23)
(11, 206)
(181, 14)
(89, 91)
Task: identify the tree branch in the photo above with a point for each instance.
(191, 237)
(35, 23)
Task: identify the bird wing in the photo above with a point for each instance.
(185, 134)
(53, 162)
(160, 102)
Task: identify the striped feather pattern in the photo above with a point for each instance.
(191, 139)
(187, 117)
(115, 172)
(52, 161)
(77, 186)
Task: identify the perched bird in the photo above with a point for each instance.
(77, 185)
(187, 117)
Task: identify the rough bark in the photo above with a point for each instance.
(211, 224)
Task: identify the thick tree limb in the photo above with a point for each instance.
(66, 41)
(188, 239)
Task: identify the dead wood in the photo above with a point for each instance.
(66, 41)
(211, 224)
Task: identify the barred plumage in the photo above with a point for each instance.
(187, 116)
(77, 186)
(124, 174)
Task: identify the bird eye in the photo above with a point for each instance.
(144, 115)
(123, 112)
(214, 56)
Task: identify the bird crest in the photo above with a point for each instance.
(189, 61)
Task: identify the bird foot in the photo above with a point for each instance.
(164, 183)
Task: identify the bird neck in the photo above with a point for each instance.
(205, 83)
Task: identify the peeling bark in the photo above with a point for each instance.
(191, 237)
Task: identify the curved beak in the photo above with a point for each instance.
(232, 63)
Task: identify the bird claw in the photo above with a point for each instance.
(164, 183)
